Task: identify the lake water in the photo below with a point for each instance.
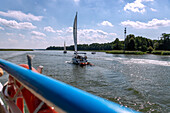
(141, 82)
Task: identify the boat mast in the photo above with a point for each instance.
(75, 33)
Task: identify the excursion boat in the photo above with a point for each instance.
(65, 51)
(28, 88)
(77, 58)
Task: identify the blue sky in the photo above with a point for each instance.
(42, 23)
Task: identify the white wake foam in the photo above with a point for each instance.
(147, 61)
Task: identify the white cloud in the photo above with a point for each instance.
(106, 23)
(147, 0)
(153, 24)
(69, 30)
(153, 10)
(88, 36)
(21, 16)
(36, 33)
(13, 41)
(84, 36)
(16, 25)
(1, 28)
(59, 31)
(91, 33)
(49, 29)
(93, 36)
(21, 35)
(10, 34)
(76, 1)
(121, 1)
(113, 34)
(136, 6)
(37, 37)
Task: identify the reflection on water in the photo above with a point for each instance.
(140, 82)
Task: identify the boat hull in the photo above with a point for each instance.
(81, 62)
(93, 52)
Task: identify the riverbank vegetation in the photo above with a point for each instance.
(126, 52)
(132, 45)
(16, 49)
(161, 52)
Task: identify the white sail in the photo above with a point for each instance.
(64, 46)
(75, 33)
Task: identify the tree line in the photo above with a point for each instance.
(131, 43)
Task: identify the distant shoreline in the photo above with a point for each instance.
(157, 52)
(16, 50)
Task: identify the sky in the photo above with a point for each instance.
(38, 24)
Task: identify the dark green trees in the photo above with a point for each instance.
(137, 43)
(164, 43)
(117, 45)
(131, 43)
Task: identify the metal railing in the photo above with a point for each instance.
(63, 97)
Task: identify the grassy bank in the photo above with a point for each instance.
(138, 52)
(126, 52)
(161, 52)
(16, 49)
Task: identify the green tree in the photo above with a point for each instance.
(138, 44)
(131, 44)
(150, 49)
(156, 45)
(144, 48)
(117, 44)
(127, 41)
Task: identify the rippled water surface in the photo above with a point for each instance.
(141, 82)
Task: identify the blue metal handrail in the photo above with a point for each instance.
(61, 95)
